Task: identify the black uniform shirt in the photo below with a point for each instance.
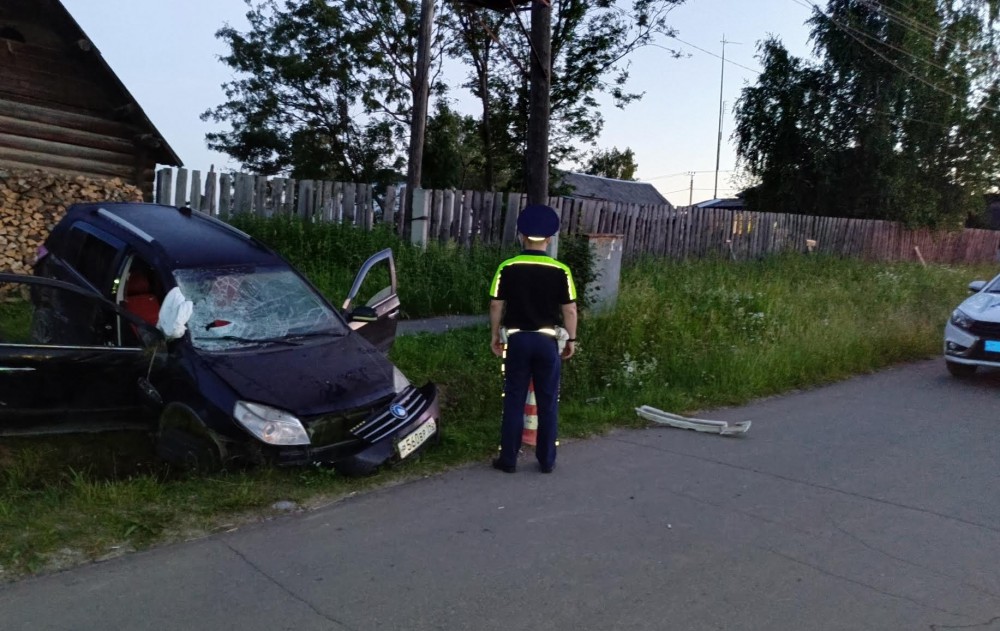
(534, 287)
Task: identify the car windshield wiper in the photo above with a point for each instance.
(248, 340)
(303, 336)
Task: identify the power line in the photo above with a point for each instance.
(685, 174)
(814, 8)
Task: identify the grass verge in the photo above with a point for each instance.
(683, 337)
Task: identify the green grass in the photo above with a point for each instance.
(441, 280)
(682, 337)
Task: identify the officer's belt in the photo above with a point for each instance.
(551, 332)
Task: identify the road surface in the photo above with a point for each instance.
(869, 504)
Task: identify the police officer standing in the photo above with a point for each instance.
(531, 295)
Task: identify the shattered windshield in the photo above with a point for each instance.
(245, 306)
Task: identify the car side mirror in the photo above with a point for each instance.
(976, 286)
(362, 313)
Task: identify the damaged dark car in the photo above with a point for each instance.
(166, 319)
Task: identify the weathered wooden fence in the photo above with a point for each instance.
(469, 217)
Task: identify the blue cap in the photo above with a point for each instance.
(538, 222)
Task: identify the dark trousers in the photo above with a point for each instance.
(530, 356)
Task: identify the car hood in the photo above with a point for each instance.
(983, 306)
(315, 378)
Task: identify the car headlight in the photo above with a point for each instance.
(961, 320)
(271, 425)
(399, 380)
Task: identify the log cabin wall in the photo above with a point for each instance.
(62, 108)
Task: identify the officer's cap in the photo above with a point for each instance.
(538, 222)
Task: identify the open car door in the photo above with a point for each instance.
(372, 306)
(61, 367)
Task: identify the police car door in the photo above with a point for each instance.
(372, 306)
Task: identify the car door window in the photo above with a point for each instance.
(93, 255)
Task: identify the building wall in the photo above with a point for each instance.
(60, 111)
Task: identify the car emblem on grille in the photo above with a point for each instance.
(398, 410)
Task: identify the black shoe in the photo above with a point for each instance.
(547, 469)
(506, 468)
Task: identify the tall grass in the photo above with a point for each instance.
(441, 280)
(683, 336)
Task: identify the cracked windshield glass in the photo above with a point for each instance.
(249, 306)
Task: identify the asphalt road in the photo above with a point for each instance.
(869, 504)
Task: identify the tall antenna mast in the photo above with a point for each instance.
(718, 146)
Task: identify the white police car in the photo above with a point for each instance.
(972, 334)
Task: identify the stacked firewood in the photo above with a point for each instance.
(32, 202)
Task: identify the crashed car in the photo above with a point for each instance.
(972, 333)
(150, 316)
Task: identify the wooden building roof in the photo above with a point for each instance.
(62, 107)
(623, 191)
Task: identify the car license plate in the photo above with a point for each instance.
(417, 437)
(992, 346)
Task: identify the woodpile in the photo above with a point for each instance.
(32, 202)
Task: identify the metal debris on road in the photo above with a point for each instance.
(697, 424)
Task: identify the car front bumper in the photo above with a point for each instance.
(963, 347)
(369, 450)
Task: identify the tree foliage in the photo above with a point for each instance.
(899, 118)
(324, 88)
(612, 163)
(321, 89)
(591, 42)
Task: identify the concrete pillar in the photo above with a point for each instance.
(607, 252)
(418, 228)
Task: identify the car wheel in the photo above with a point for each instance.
(184, 442)
(960, 370)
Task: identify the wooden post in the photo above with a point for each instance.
(181, 192)
(164, 185)
(225, 195)
(195, 198)
(211, 189)
(510, 219)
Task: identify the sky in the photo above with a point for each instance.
(166, 54)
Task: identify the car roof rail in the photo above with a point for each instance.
(122, 223)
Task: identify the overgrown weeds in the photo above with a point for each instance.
(683, 336)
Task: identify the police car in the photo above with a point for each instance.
(972, 334)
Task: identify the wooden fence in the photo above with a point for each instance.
(468, 217)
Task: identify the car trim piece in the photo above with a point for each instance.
(130, 349)
(13, 369)
(142, 234)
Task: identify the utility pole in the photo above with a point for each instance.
(718, 146)
(418, 123)
(691, 190)
(537, 151)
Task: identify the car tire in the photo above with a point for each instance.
(960, 370)
(184, 442)
(187, 451)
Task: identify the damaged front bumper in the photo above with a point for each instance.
(395, 432)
